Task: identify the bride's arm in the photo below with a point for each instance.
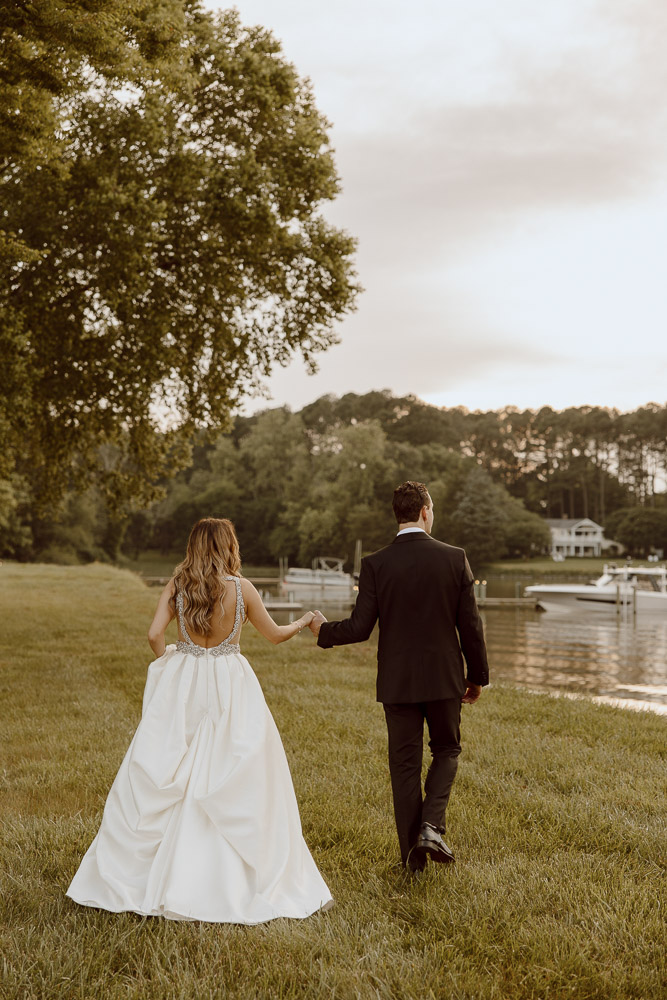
(163, 616)
(262, 620)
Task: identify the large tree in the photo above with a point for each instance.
(164, 243)
(641, 529)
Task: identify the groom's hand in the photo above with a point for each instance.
(473, 691)
(316, 622)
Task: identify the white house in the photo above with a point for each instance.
(577, 536)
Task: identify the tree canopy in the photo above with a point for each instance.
(310, 483)
(162, 243)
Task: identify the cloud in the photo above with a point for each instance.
(491, 155)
(575, 117)
(453, 173)
(413, 350)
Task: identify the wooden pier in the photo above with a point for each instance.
(509, 602)
(275, 604)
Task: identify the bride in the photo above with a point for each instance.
(201, 822)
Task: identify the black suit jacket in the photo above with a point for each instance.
(422, 593)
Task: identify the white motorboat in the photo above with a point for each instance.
(632, 588)
(326, 579)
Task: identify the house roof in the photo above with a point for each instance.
(569, 522)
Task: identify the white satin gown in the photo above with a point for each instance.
(201, 822)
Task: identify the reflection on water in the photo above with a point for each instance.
(610, 659)
(619, 661)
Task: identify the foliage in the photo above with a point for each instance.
(526, 533)
(48, 51)
(579, 462)
(300, 494)
(640, 529)
(480, 518)
(306, 484)
(16, 538)
(489, 523)
(167, 247)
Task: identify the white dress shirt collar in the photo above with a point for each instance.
(404, 531)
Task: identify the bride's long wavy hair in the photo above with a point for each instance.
(212, 553)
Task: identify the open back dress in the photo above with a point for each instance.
(201, 822)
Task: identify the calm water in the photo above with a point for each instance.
(620, 661)
(609, 659)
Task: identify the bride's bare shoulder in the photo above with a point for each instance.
(248, 589)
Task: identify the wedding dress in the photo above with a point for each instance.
(201, 822)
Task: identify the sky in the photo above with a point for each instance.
(504, 168)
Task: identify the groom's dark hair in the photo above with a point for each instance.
(409, 498)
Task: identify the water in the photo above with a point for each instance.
(617, 661)
(610, 659)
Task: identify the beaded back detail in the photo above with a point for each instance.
(186, 645)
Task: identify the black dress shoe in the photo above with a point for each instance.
(431, 843)
(416, 860)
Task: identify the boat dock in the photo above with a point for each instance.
(278, 605)
(509, 602)
(270, 603)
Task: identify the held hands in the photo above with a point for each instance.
(304, 620)
(313, 619)
(316, 622)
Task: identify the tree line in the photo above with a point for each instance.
(304, 484)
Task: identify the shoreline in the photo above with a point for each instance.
(628, 704)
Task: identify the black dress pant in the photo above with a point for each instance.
(405, 726)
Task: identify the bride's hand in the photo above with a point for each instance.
(301, 623)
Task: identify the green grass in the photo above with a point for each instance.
(586, 566)
(154, 563)
(557, 818)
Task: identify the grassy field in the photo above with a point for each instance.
(558, 820)
(154, 563)
(585, 566)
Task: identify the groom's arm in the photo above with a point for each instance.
(360, 624)
(471, 631)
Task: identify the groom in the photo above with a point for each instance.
(421, 592)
